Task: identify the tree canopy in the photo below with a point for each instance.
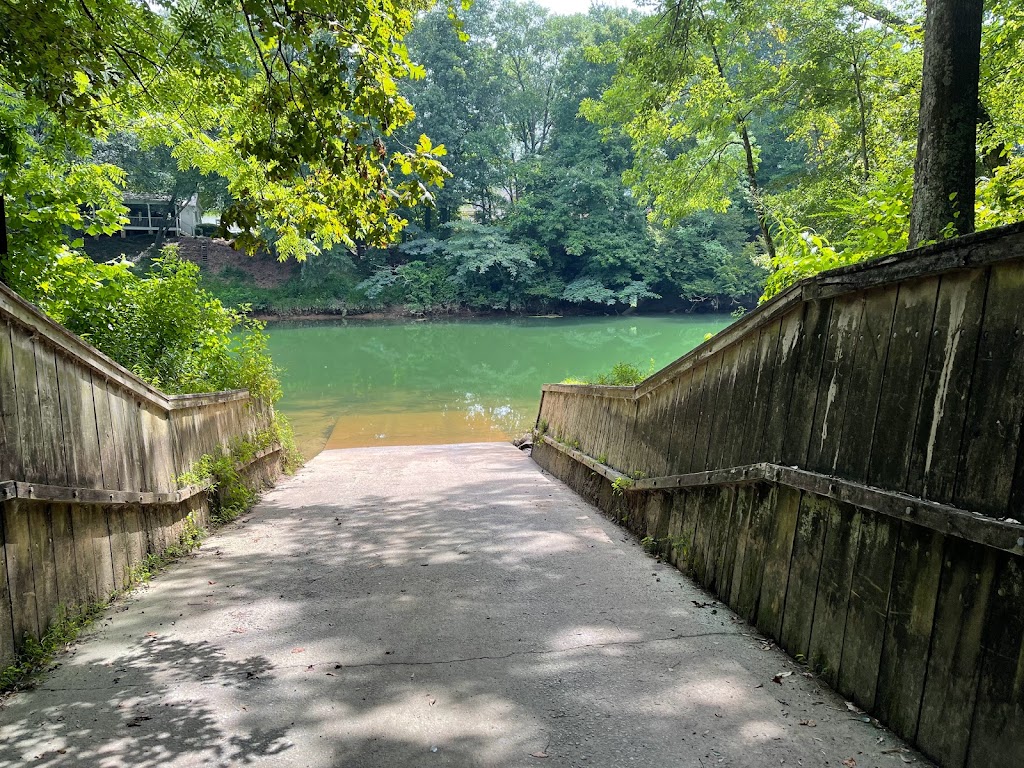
(294, 105)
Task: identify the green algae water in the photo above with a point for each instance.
(362, 383)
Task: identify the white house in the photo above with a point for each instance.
(146, 214)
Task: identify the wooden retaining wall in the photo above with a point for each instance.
(844, 467)
(89, 460)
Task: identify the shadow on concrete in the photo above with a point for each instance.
(371, 611)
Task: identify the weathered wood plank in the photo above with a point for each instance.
(804, 573)
(7, 635)
(10, 432)
(661, 415)
(834, 384)
(708, 409)
(49, 441)
(892, 440)
(109, 457)
(20, 578)
(745, 495)
(120, 560)
(132, 521)
(702, 507)
(33, 456)
(735, 519)
(947, 384)
(740, 416)
(718, 438)
(682, 528)
(748, 592)
(155, 429)
(867, 610)
(719, 551)
(73, 577)
(908, 629)
(98, 535)
(761, 404)
(778, 554)
(78, 420)
(807, 375)
(998, 727)
(44, 569)
(670, 399)
(865, 381)
(136, 449)
(839, 557)
(988, 460)
(686, 422)
(790, 333)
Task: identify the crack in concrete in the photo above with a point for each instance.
(513, 654)
(463, 660)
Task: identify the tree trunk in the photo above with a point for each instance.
(4, 254)
(755, 195)
(945, 168)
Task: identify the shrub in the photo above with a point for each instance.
(162, 326)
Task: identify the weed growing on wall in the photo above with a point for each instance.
(36, 655)
(622, 374)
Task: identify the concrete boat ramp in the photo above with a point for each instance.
(430, 606)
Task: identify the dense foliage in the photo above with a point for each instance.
(805, 110)
(696, 157)
(293, 107)
(536, 216)
(162, 326)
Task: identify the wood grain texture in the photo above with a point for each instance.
(7, 635)
(838, 559)
(988, 460)
(902, 378)
(804, 574)
(10, 430)
(908, 628)
(807, 375)
(868, 609)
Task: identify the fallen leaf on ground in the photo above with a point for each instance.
(779, 676)
(850, 763)
(809, 723)
(539, 755)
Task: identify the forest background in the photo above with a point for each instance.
(699, 156)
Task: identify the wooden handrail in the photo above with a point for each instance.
(943, 518)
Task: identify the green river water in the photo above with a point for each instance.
(363, 383)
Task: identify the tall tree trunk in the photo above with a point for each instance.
(863, 113)
(4, 253)
(755, 195)
(944, 171)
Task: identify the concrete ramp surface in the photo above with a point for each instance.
(429, 606)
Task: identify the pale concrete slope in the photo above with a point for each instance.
(386, 602)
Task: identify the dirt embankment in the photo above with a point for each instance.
(216, 257)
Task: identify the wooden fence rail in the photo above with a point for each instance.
(89, 460)
(844, 467)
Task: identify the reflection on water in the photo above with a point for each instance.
(359, 383)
